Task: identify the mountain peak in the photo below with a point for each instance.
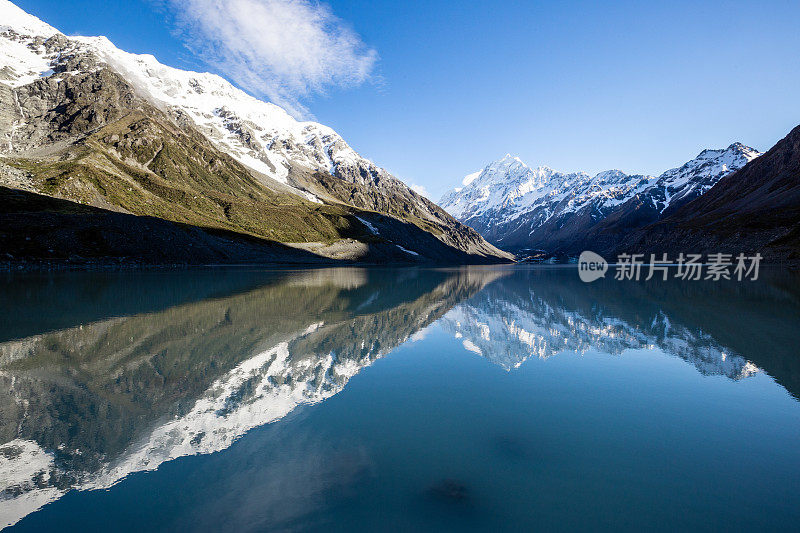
(12, 18)
(507, 161)
(743, 149)
(735, 149)
(613, 173)
(739, 147)
(510, 202)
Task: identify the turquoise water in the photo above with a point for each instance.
(488, 399)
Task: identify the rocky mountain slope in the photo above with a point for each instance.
(84, 121)
(519, 207)
(756, 209)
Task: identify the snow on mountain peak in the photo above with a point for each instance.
(702, 172)
(507, 163)
(469, 178)
(610, 175)
(735, 150)
(12, 18)
(258, 134)
(511, 186)
(490, 185)
(23, 58)
(507, 188)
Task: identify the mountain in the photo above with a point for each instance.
(81, 120)
(755, 209)
(518, 207)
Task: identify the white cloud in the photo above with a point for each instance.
(419, 189)
(283, 50)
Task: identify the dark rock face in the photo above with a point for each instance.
(375, 190)
(756, 209)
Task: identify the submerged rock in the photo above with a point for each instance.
(450, 490)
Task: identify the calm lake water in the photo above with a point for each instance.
(491, 399)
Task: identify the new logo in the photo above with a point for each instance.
(591, 266)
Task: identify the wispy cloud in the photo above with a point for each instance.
(283, 50)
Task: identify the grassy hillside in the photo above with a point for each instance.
(90, 139)
(145, 166)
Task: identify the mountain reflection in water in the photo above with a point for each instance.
(127, 382)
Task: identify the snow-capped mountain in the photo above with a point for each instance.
(508, 188)
(49, 83)
(259, 134)
(756, 209)
(519, 207)
(694, 178)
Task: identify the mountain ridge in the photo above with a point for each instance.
(753, 210)
(81, 103)
(520, 207)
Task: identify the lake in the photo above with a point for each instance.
(469, 399)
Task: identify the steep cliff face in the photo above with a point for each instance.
(84, 121)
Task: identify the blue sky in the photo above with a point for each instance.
(639, 86)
